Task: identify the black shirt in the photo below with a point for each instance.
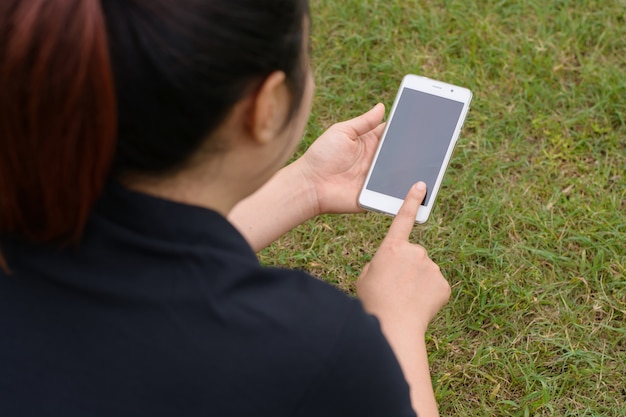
(164, 310)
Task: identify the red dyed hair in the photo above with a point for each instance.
(57, 117)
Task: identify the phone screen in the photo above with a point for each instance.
(415, 144)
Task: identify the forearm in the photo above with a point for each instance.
(283, 203)
(411, 353)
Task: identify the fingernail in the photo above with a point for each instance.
(421, 186)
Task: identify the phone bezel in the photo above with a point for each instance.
(379, 202)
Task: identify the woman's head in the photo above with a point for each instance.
(133, 86)
(180, 66)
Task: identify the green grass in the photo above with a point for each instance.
(530, 223)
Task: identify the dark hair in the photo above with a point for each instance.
(180, 66)
(139, 84)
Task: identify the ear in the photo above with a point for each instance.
(269, 108)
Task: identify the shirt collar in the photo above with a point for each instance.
(163, 219)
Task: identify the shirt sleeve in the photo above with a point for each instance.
(361, 378)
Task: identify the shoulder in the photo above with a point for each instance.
(351, 367)
(296, 300)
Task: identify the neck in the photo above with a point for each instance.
(188, 189)
(216, 180)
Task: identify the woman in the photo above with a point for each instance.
(131, 131)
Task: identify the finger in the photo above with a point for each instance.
(405, 219)
(364, 123)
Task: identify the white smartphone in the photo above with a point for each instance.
(423, 126)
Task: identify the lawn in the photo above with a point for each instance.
(530, 223)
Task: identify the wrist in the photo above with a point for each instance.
(305, 188)
(405, 332)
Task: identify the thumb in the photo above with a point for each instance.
(366, 122)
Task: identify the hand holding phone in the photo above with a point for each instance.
(423, 127)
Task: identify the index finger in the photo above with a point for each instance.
(405, 219)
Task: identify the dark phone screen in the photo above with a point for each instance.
(416, 143)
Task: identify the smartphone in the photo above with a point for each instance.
(423, 126)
